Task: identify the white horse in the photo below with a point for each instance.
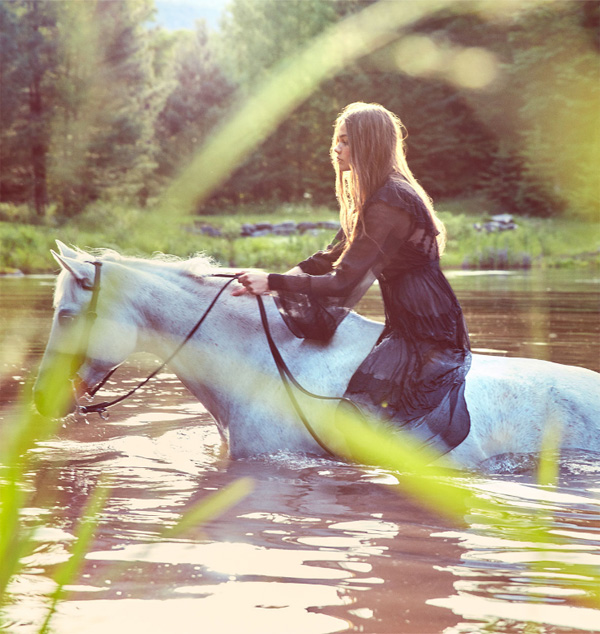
(151, 305)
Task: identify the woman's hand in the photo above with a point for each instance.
(255, 282)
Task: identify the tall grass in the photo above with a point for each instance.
(20, 433)
(170, 229)
(536, 242)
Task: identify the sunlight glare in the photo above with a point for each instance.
(473, 607)
(235, 559)
(190, 616)
(473, 68)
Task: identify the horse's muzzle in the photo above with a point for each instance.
(55, 393)
(55, 403)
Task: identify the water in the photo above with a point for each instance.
(318, 546)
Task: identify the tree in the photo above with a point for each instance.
(12, 105)
(290, 163)
(556, 67)
(544, 107)
(80, 96)
(26, 95)
(110, 96)
(199, 95)
(446, 138)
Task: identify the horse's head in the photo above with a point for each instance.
(91, 333)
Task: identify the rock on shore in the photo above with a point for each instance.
(258, 229)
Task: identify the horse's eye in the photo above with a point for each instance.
(65, 318)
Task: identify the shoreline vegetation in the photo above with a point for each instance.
(533, 243)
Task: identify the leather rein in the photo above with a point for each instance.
(286, 375)
(90, 318)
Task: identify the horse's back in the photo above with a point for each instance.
(537, 375)
(328, 366)
(513, 401)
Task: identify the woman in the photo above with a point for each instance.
(415, 374)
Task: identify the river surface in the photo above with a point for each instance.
(318, 546)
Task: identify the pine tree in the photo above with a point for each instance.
(109, 98)
(27, 61)
(290, 164)
(199, 96)
(12, 107)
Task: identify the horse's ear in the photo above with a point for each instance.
(65, 250)
(81, 271)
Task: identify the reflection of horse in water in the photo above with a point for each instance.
(151, 305)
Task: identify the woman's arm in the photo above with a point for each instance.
(385, 226)
(296, 270)
(256, 282)
(322, 261)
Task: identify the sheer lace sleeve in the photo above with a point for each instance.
(314, 305)
(322, 261)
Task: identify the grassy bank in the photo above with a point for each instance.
(536, 242)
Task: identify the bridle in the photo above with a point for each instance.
(90, 318)
(286, 375)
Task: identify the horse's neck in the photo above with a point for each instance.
(230, 350)
(168, 304)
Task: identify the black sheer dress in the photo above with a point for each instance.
(415, 375)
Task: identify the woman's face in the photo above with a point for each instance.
(342, 149)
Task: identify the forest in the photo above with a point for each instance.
(99, 103)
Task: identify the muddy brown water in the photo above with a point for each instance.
(318, 546)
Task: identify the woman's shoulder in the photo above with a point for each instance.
(398, 192)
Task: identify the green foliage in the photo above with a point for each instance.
(535, 242)
(103, 128)
(199, 93)
(461, 140)
(24, 247)
(560, 135)
(97, 104)
(17, 439)
(118, 219)
(85, 532)
(294, 160)
(277, 253)
(28, 57)
(10, 212)
(257, 35)
(81, 97)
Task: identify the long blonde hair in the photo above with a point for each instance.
(376, 138)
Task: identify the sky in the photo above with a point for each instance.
(181, 14)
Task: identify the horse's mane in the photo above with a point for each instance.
(195, 268)
(198, 265)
